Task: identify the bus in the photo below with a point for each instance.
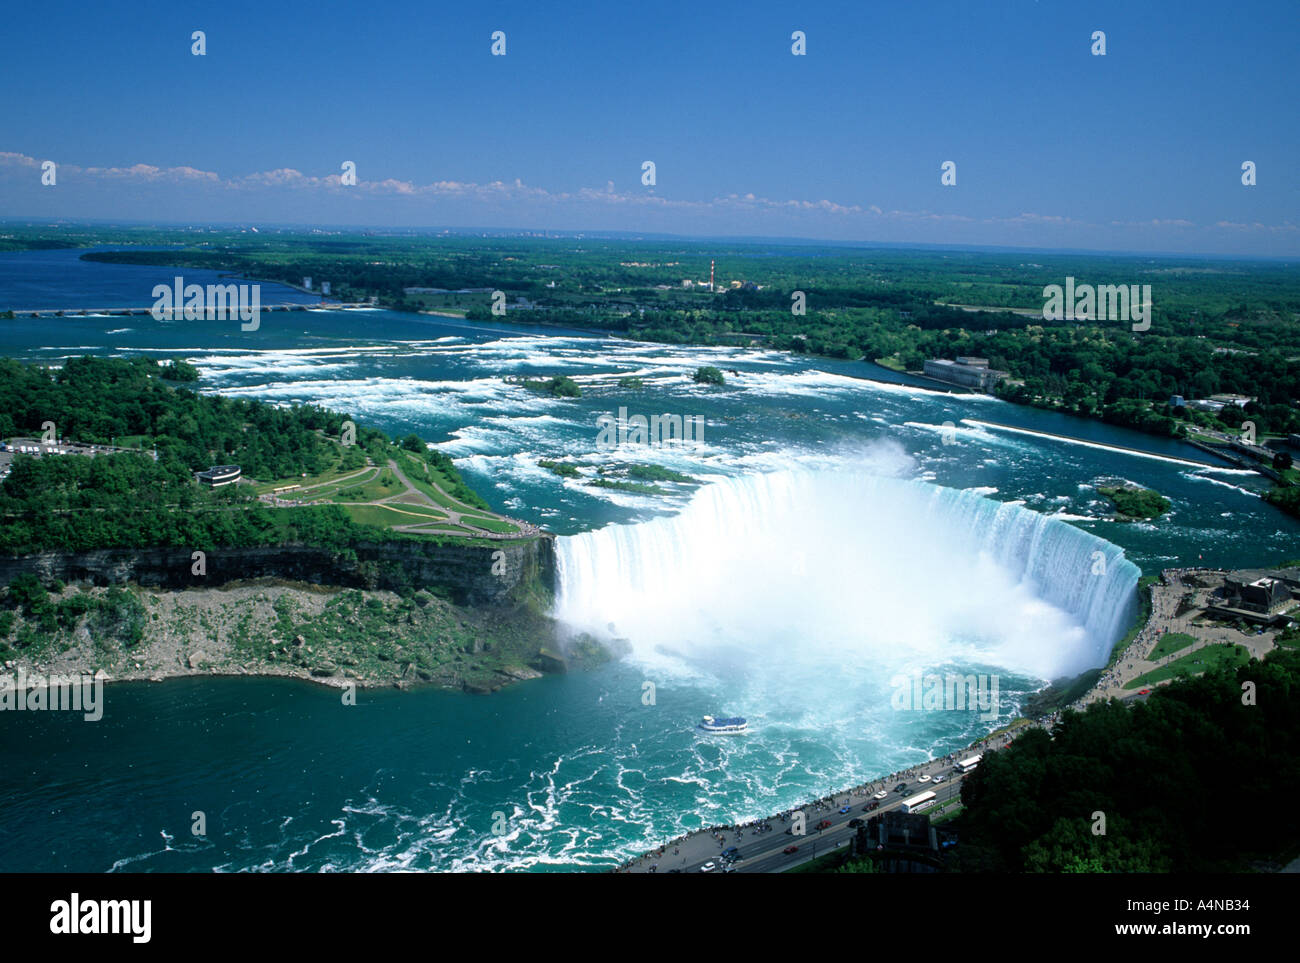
(918, 802)
(966, 765)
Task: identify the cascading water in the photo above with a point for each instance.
(863, 573)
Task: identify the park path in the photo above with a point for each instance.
(460, 517)
(1166, 600)
(454, 517)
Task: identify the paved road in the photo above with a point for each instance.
(762, 850)
(766, 853)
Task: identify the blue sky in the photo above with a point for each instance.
(1138, 150)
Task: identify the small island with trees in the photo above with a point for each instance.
(1135, 503)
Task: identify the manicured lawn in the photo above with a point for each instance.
(1171, 642)
(382, 487)
(1211, 657)
(263, 488)
(388, 517)
(489, 524)
(421, 474)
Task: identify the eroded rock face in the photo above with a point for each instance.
(472, 574)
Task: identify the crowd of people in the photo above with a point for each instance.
(1164, 612)
(734, 835)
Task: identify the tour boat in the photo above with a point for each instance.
(725, 726)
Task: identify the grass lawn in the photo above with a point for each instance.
(421, 474)
(945, 812)
(489, 524)
(382, 487)
(388, 517)
(333, 474)
(1171, 642)
(1210, 657)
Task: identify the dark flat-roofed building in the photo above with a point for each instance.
(960, 372)
(218, 475)
(1259, 596)
(899, 843)
(1262, 594)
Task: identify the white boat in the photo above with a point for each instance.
(724, 726)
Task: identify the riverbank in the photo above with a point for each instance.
(336, 637)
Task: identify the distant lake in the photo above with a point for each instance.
(38, 280)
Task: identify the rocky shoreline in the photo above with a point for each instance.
(333, 637)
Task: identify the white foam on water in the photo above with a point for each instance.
(869, 572)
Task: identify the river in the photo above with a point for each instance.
(846, 531)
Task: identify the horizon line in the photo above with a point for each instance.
(632, 235)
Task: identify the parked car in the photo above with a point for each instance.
(790, 849)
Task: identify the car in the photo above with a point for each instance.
(881, 795)
(824, 824)
(844, 809)
(790, 849)
(728, 868)
(1144, 691)
(901, 787)
(924, 778)
(731, 853)
(875, 804)
(855, 823)
(939, 778)
(708, 867)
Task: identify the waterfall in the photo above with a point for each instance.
(855, 568)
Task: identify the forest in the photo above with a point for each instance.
(129, 499)
(1216, 326)
(1151, 771)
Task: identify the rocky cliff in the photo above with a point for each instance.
(470, 574)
